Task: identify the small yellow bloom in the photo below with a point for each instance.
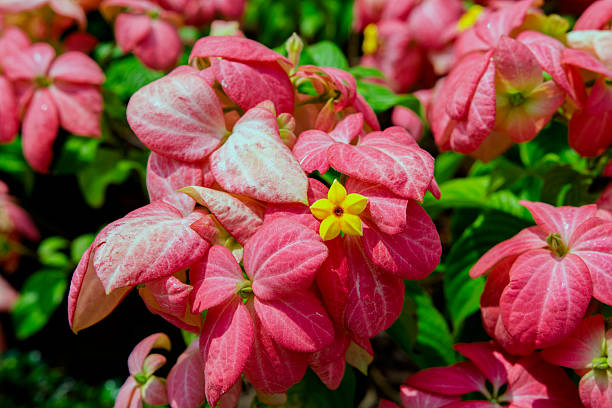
(370, 39)
(339, 212)
(468, 19)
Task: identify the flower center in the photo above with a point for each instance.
(338, 211)
(516, 99)
(43, 81)
(600, 363)
(556, 245)
(244, 289)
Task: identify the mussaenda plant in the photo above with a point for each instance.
(220, 132)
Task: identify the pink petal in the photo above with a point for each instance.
(387, 404)
(178, 116)
(39, 130)
(534, 383)
(406, 170)
(129, 395)
(333, 281)
(13, 40)
(584, 60)
(473, 129)
(214, 278)
(300, 213)
(413, 398)
(235, 48)
(561, 220)
(489, 359)
(154, 392)
(282, 257)
(596, 389)
(79, 107)
(516, 66)
(369, 116)
(297, 322)
(457, 379)
(17, 6)
(271, 368)
(329, 363)
(81, 42)
(348, 128)
(255, 162)
(75, 66)
(473, 404)
(588, 128)
(165, 176)
(311, 150)
(152, 363)
(385, 210)
(596, 16)
(231, 398)
(8, 296)
(497, 281)
(185, 381)
(409, 120)
(502, 21)
(591, 242)
(240, 220)
(374, 298)
(9, 121)
(248, 85)
(548, 51)
(87, 300)
(69, 8)
(143, 348)
(226, 343)
(169, 297)
(462, 82)
(546, 298)
(581, 347)
(529, 238)
(29, 63)
(131, 29)
(161, 48)
(149, 243)
(411, 254)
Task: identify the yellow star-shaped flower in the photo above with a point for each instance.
(339, 212)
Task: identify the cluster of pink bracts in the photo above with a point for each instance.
(292, 272)
(494, 92)
(41, 93)
(15, 225)
(278, 298)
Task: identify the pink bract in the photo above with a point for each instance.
(525, 382)
(280, 260)
(54, 92)
(567, 255)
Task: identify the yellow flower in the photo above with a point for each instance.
(468, 19)
(370, 39)
(339, 212)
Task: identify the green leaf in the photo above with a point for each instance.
(312, 393)
(327, 54)
(404, 330)
(75, 154)
(434, 345)
(79, 245)
(109, 167)
(473, 192)
(563, 185)
(40, 296)
(13, 163)
(360, 71)
(381, 98)
(447, 165)
(50, 252)
(127, 75)
(462, 293)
